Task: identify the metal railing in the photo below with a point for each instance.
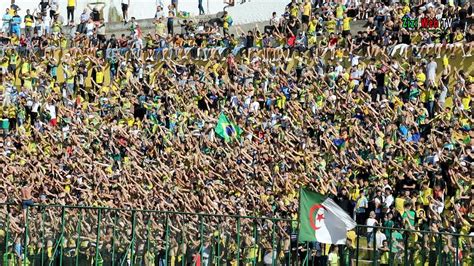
(79, 235)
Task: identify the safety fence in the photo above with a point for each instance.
(79, 235)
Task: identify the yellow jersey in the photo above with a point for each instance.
(346, 24)
(331, 25)
(294, 11)
(28, 21)
(307, 9)
(312, 26)
(340, 11)
(99, 77)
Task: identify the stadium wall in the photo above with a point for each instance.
(249, 12)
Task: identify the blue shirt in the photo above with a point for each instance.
(16, 21)
(6, 19)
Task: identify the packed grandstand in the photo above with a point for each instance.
(196, 117)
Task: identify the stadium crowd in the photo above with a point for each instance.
(378, 119)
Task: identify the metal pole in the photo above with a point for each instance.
(167, 239)
(341, 255)
(297, 254)
(456, 258)
(374, 255)
(273, 243)
(423, 250)
(238, 241)
(78, 241)
(99, 216)
(61, 239)
(148, 234)
(357, 245)
(307, 254)
(7, 233)
(255, 242)
(132, 244)
(405, 245)
(43, 244)
(390, 259)
(439, 248)
(289, 250)
(183, 258)
(26, 236)
(201, 237)
(114, 231)
(218, 255)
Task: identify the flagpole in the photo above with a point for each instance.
(297, 225)
(299, 213)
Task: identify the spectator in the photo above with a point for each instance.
(361, 208)
(43, 6)
(343, 113)
(81, 28)
(6, 20)
(71, 5)
(53, 8)
(159, 12)
(29, 24)
(15, 24)
(201, 8)
(333, 258)
(125, 5)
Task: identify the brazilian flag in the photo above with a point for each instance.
(226, 129)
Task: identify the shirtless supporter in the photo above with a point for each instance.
(380, 120)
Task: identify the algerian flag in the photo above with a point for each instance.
(322, 220)
(226, 129)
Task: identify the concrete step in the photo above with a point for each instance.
(147, 25)
(363, 262)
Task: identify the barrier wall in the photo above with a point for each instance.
(80, 235)
(250, 11)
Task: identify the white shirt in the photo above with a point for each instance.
(40, 28)
(52, 110)
(101, 30)
(370, 222)
(389, 200)
(379, 238)
(338, 69)
(84, 17)
(139, 43)
(47, 20)
(254, 107)
(234, 101)
(377, 201)
(90, 28)
(355, 60)
(268, 258)
(54, 6)
(159, 14)
(35, 107)
(357, 74)
(247, 102)
(274, 21)
(431, 70)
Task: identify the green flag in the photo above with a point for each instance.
(322, 220)
(226, 129)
